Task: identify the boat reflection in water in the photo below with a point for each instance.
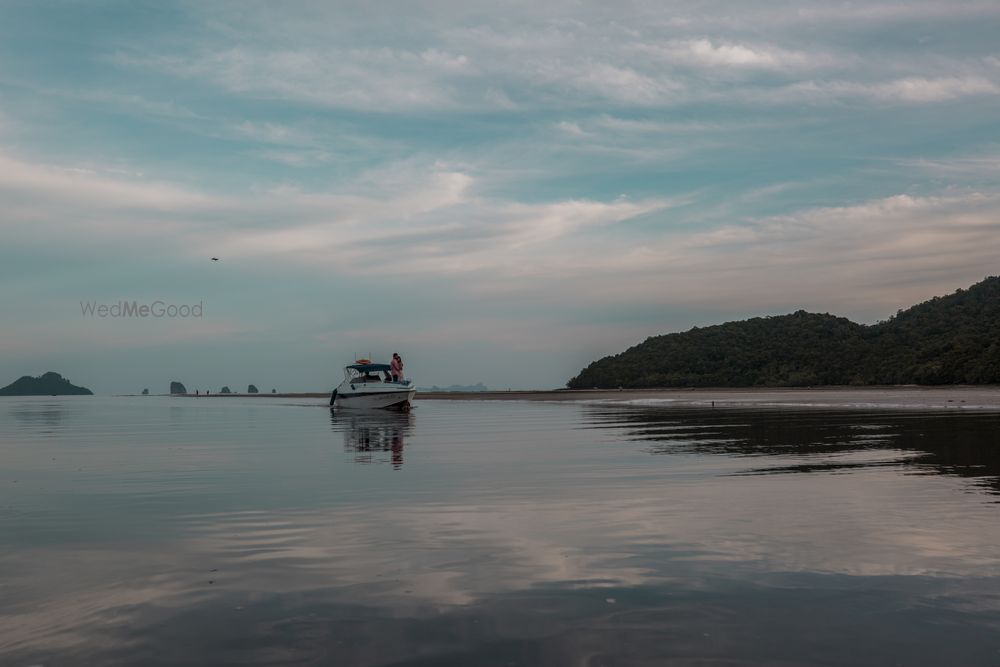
(373, 436)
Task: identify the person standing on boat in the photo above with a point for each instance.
(396, 367)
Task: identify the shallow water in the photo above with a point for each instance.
(152, 530)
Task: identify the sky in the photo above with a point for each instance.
(501, 193)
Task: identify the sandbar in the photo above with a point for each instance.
(984, 397)
(956, 397)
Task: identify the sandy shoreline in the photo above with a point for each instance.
(968, 397)
(904, 397)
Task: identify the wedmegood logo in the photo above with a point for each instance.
(133, 308)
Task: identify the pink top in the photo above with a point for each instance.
(396, 367)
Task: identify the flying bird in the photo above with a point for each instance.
(215, 259)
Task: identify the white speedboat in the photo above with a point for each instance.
(370, 386)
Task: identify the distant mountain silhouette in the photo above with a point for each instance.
(948, 340)
(479, 386)
(48, 384)
(177, 387)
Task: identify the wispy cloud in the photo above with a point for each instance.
(273, 133)
(296, 158)
(729, 55)
(83, 185)
(131, 103)
(553, 62)
(377, 79)
(433, 224)
(889, 12)
(915, 90)
(985, 166)
(847, 255)
(434, 215)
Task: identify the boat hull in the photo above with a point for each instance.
(371, 400)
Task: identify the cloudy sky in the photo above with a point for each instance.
(500, 193)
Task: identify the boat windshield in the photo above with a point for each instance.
(368, 373)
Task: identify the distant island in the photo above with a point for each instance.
(479, 386)
(953, 339)
(47, 384)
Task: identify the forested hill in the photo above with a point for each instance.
(948, 340)
(47, 384)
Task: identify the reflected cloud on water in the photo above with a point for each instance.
(515, 534)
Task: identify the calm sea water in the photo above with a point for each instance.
(155, 531)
